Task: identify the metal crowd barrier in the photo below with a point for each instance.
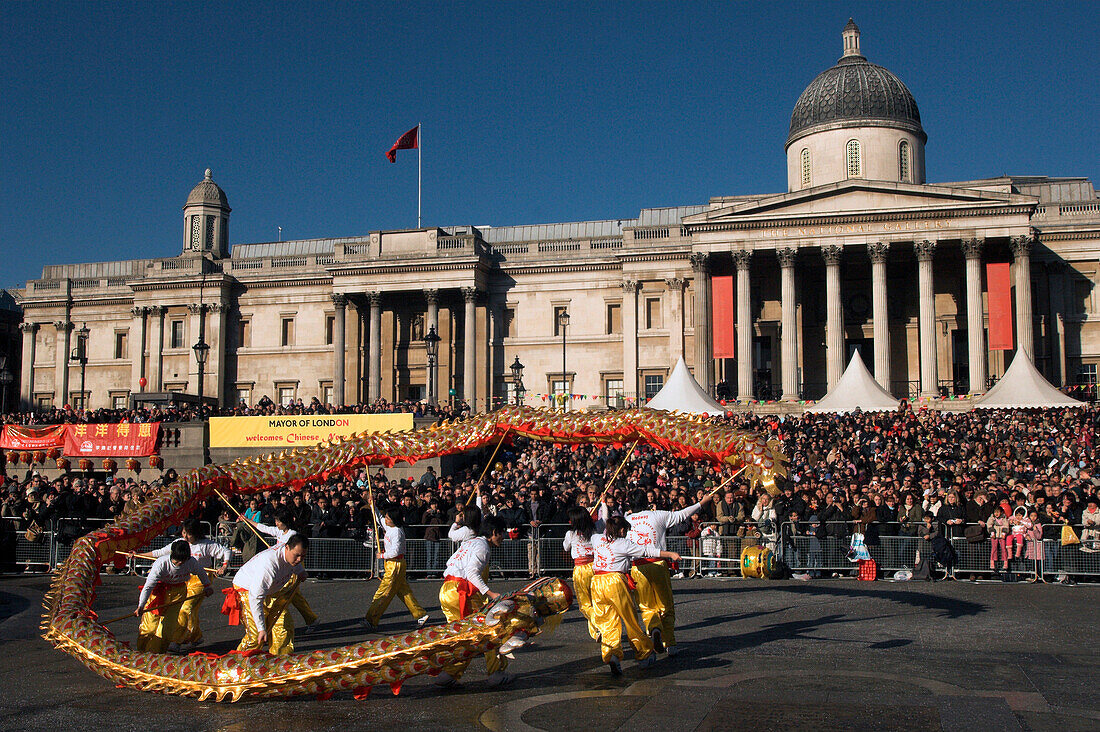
(18, 553)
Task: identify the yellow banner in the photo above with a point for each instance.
(299, 430)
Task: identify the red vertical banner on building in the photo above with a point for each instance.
(998, 282)
(721, 317)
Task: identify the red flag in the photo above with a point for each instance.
(408, 141)
(999, 284)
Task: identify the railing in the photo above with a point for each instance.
(538, 550)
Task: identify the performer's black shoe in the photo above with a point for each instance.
(658, 644)
(616, 667)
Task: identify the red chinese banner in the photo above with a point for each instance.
(721, 298)
(17, 437)
(998, 282)
(111, 440)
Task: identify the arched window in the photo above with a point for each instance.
(905, 174)
(855, 166)
(805, 168)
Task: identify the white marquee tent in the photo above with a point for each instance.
(1023, 386)
(682, 393)
(856, 389)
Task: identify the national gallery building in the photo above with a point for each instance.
(765, 296)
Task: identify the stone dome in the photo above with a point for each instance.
(855, 93)
(207, 191)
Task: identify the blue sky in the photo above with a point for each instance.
(531, 112)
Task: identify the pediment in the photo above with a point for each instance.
(861, 198)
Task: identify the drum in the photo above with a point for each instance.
(757, 561)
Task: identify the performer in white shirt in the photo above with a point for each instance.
(578, 542)
(282, 532)
(167, 584)
(208, 554)
(464, 592)
(648, 528)
(261, 591)
(466, 524)
(394, 581)
(612, 600)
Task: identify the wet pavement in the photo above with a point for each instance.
(826, 655)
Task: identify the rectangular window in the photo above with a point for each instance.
(558, 310)
(330, 328)
(175, 339)
(43, 401)
(1086, 373)
(244, 397)
(286, 395)
(287, 331)
(614, 323)
(559, 386)
(510, 392)
(326, 393)
(244, 333)
(120, 344)
(653, 313)
(78, 399)
(613, 393)
(509, 325)
(653, 384)
(119, 401)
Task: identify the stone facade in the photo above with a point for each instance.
(865, 256)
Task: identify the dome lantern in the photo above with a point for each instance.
(206, 219)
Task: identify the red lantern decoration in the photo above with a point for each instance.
(40, 456)
(54, 453)
(133, 465)
(156, 461)
(110, 465)
(63, 464)
(84, 464)
(26, 457)
(13, 457)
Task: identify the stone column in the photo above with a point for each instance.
(156, 349)
(26, 379)
(339, 348)
(788, 335)
(630, 339)
(215, 365)
(929, 367)
(704, 365)
(61, 362)
(741, 259)
(834, 315)
(469, 346)
(1025, 328)
(878, 251)
(194, 330)
(137, 348)
(374, 355)
(432, 296)
(975, 320)
(675, 318)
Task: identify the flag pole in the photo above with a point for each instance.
(419, 145)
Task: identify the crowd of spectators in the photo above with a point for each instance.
(900, 473)
(264, 407)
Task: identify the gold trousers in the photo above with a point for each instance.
(280, 628)
(582, 589)
(190, 630)
(449, 604)
(613, 609)
(655, 599)
(394, 584)
(157, 631)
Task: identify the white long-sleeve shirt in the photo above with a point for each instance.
(263, 575)
(577, 546)
(166, 571)
(393, 542)
(459, 534)
(617, 555)
(648, 528)
(205, 552)
(469, 561)
(280, 536)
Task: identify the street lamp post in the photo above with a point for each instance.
(563, 323)
(80, 355)
(202, 350)
(517, 381)
(5, 379)
(431, 345)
